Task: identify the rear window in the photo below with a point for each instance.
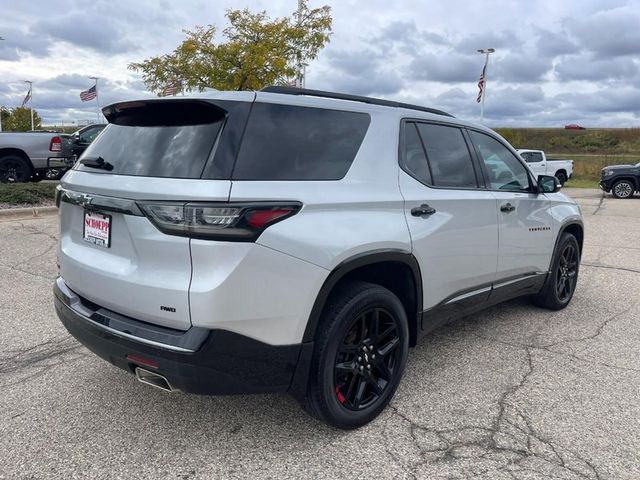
(172, 139)
(283, 142)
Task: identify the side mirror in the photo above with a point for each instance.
(548, 184)
(75, 138)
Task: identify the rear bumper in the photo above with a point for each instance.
(60, 162)
(210, 362)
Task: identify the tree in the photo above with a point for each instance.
(258, 51)
(19, 120)
(4, 117)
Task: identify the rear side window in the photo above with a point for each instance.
(171, 139)
(284, 142)
(531, 157)
(448, 156)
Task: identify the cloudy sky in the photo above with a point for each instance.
(556, 62)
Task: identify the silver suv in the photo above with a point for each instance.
(298, 241)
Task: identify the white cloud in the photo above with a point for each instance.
(551, 66)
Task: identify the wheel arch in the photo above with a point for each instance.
(8, 151)
(574, 227)
(630, 178)
(396, 270)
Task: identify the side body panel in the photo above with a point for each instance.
(457, 246)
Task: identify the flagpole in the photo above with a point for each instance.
(486, 52)
(30, 100)
(97, 100)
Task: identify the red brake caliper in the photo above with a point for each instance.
(340, 396)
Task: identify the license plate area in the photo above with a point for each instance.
(97, 229)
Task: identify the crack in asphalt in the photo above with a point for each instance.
(599, 205)
(609, 267)
(511, 444)
(35, 361)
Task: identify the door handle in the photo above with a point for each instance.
(423, 211)
(507, 207)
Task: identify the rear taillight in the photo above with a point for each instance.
(55, 145)
(240, 222)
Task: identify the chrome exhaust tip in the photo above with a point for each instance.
(153, 379)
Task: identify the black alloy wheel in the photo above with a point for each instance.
(562, 279)
(566, 273)
(360, 353)
(366, 359)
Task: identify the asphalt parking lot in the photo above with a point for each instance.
(514, 392)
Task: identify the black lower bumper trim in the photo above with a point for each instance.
(225, 363)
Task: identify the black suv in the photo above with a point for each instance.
(621, 180)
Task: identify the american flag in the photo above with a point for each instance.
(90, 94)
(27, 98)
(481, 84)
(170, 90)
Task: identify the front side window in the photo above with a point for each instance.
(448, 156)
(505, 172)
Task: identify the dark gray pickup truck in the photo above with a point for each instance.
(29, 156)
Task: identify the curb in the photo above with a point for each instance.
(33, 212)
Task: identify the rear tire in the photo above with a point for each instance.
(562, 177)
(623, 189)
(14, 169)
(360, 355)
(561, 282)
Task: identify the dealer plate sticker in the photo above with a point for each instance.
(97, 229)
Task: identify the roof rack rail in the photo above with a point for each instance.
(354, 98)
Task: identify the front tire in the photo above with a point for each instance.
(561, 282)
(623, 189)
(360, 355)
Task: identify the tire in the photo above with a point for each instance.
(356, 368)
(14, 169)
(560, 285)
(623, 189)
(562, 177)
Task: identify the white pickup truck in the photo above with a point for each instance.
(539, 164)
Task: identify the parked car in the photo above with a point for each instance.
(574, 126)
(539, 164)
(305, 254)
(82, 138)
(27, 156)
(621, 180)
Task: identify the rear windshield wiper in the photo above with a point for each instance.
(96, 162)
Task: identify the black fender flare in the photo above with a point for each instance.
(561, 230)
(352, 263)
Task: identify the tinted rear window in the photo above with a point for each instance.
(285, 142)
(158, 140)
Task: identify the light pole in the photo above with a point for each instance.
(30, 100)
(483, 79)
(1, 107)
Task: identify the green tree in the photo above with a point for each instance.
(4, 116)
(19, 120)
(257, 51)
